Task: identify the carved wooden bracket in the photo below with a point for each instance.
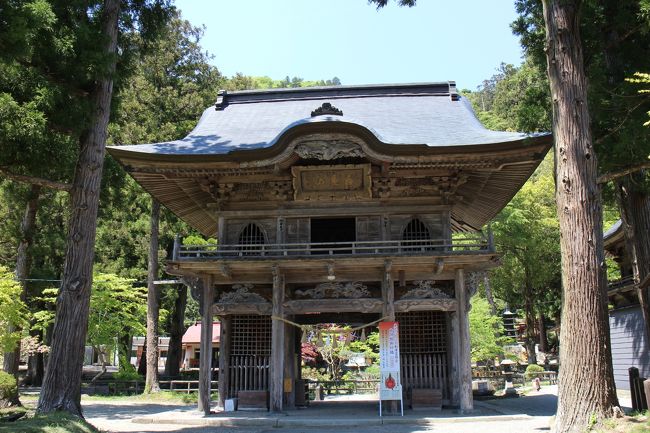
(425, 290)
(352, 290)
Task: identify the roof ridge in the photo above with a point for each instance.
(446, 88)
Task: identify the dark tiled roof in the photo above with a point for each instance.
(618, 225)
(431, 114)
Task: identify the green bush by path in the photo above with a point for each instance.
(532, 371)
(8, 390)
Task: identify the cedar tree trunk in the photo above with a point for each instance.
(530, 321)
(62, 384)
(27, 226)
(586, 383)
(635, 212)
(541, 330)
(176, 331)
(142, 362)
(35, 362)
(151, 379)
(124, 343)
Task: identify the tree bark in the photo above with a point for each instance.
(35, 363)
(488, 294)
(635, 213)
(142, 362)
(530, 321)
(586, 382)
(124, 343)
(23, 263)
(541, 329)
(176, 331)
(151, 384)
(62, 385)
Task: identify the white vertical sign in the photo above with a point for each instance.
(390, 384)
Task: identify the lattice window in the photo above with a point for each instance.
(415, 230)
(422, 332)
(251, 236)
(251, 335)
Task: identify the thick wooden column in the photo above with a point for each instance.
(388, 292)
(224, 360)
(289, 367)
(454, 356)
(276, 383)
(464, 350)
(205, 361)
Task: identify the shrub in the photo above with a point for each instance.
(8, 390)
(532, 371)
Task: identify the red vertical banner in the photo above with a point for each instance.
(390, 385)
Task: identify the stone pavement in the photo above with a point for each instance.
(522, 415)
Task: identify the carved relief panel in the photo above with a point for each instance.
(332, 182)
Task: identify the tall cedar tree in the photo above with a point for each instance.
(98, 25)
(586, 384)
(616, 46)
(62, 384)
(151, 384)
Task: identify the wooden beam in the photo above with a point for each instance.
(224, 360)
(464, 349)
(205, 361)
(276, 383)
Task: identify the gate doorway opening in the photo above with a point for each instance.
(333, 232)
(339, 360)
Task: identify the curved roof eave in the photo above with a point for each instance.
(178, 151)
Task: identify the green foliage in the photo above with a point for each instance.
(642, 78)
(527, 235)
(8, 387)
(55, 422)
(616, 45)
(244, 82)
(532, 371)
(115, 304)
(514, 99)
(486, 332)
(316, 374)
(127, 373)
(12, 310)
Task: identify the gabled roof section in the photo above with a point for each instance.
(430, 114)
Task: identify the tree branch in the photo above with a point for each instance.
(32, 180)
(604, 178)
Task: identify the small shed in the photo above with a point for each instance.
(192, 345)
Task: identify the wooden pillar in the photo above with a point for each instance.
(464, 350)
(289, 367)
(205, 361)
(454, 356)
(388, 292)
(224, 360)
(276, 383)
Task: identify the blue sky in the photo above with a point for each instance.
(436, 40)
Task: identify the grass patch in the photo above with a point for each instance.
(634, 423)
(57, 422)
(159, 397)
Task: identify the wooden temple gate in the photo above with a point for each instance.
(340, 200)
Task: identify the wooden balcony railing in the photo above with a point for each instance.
(620, 283)
(473, 244)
